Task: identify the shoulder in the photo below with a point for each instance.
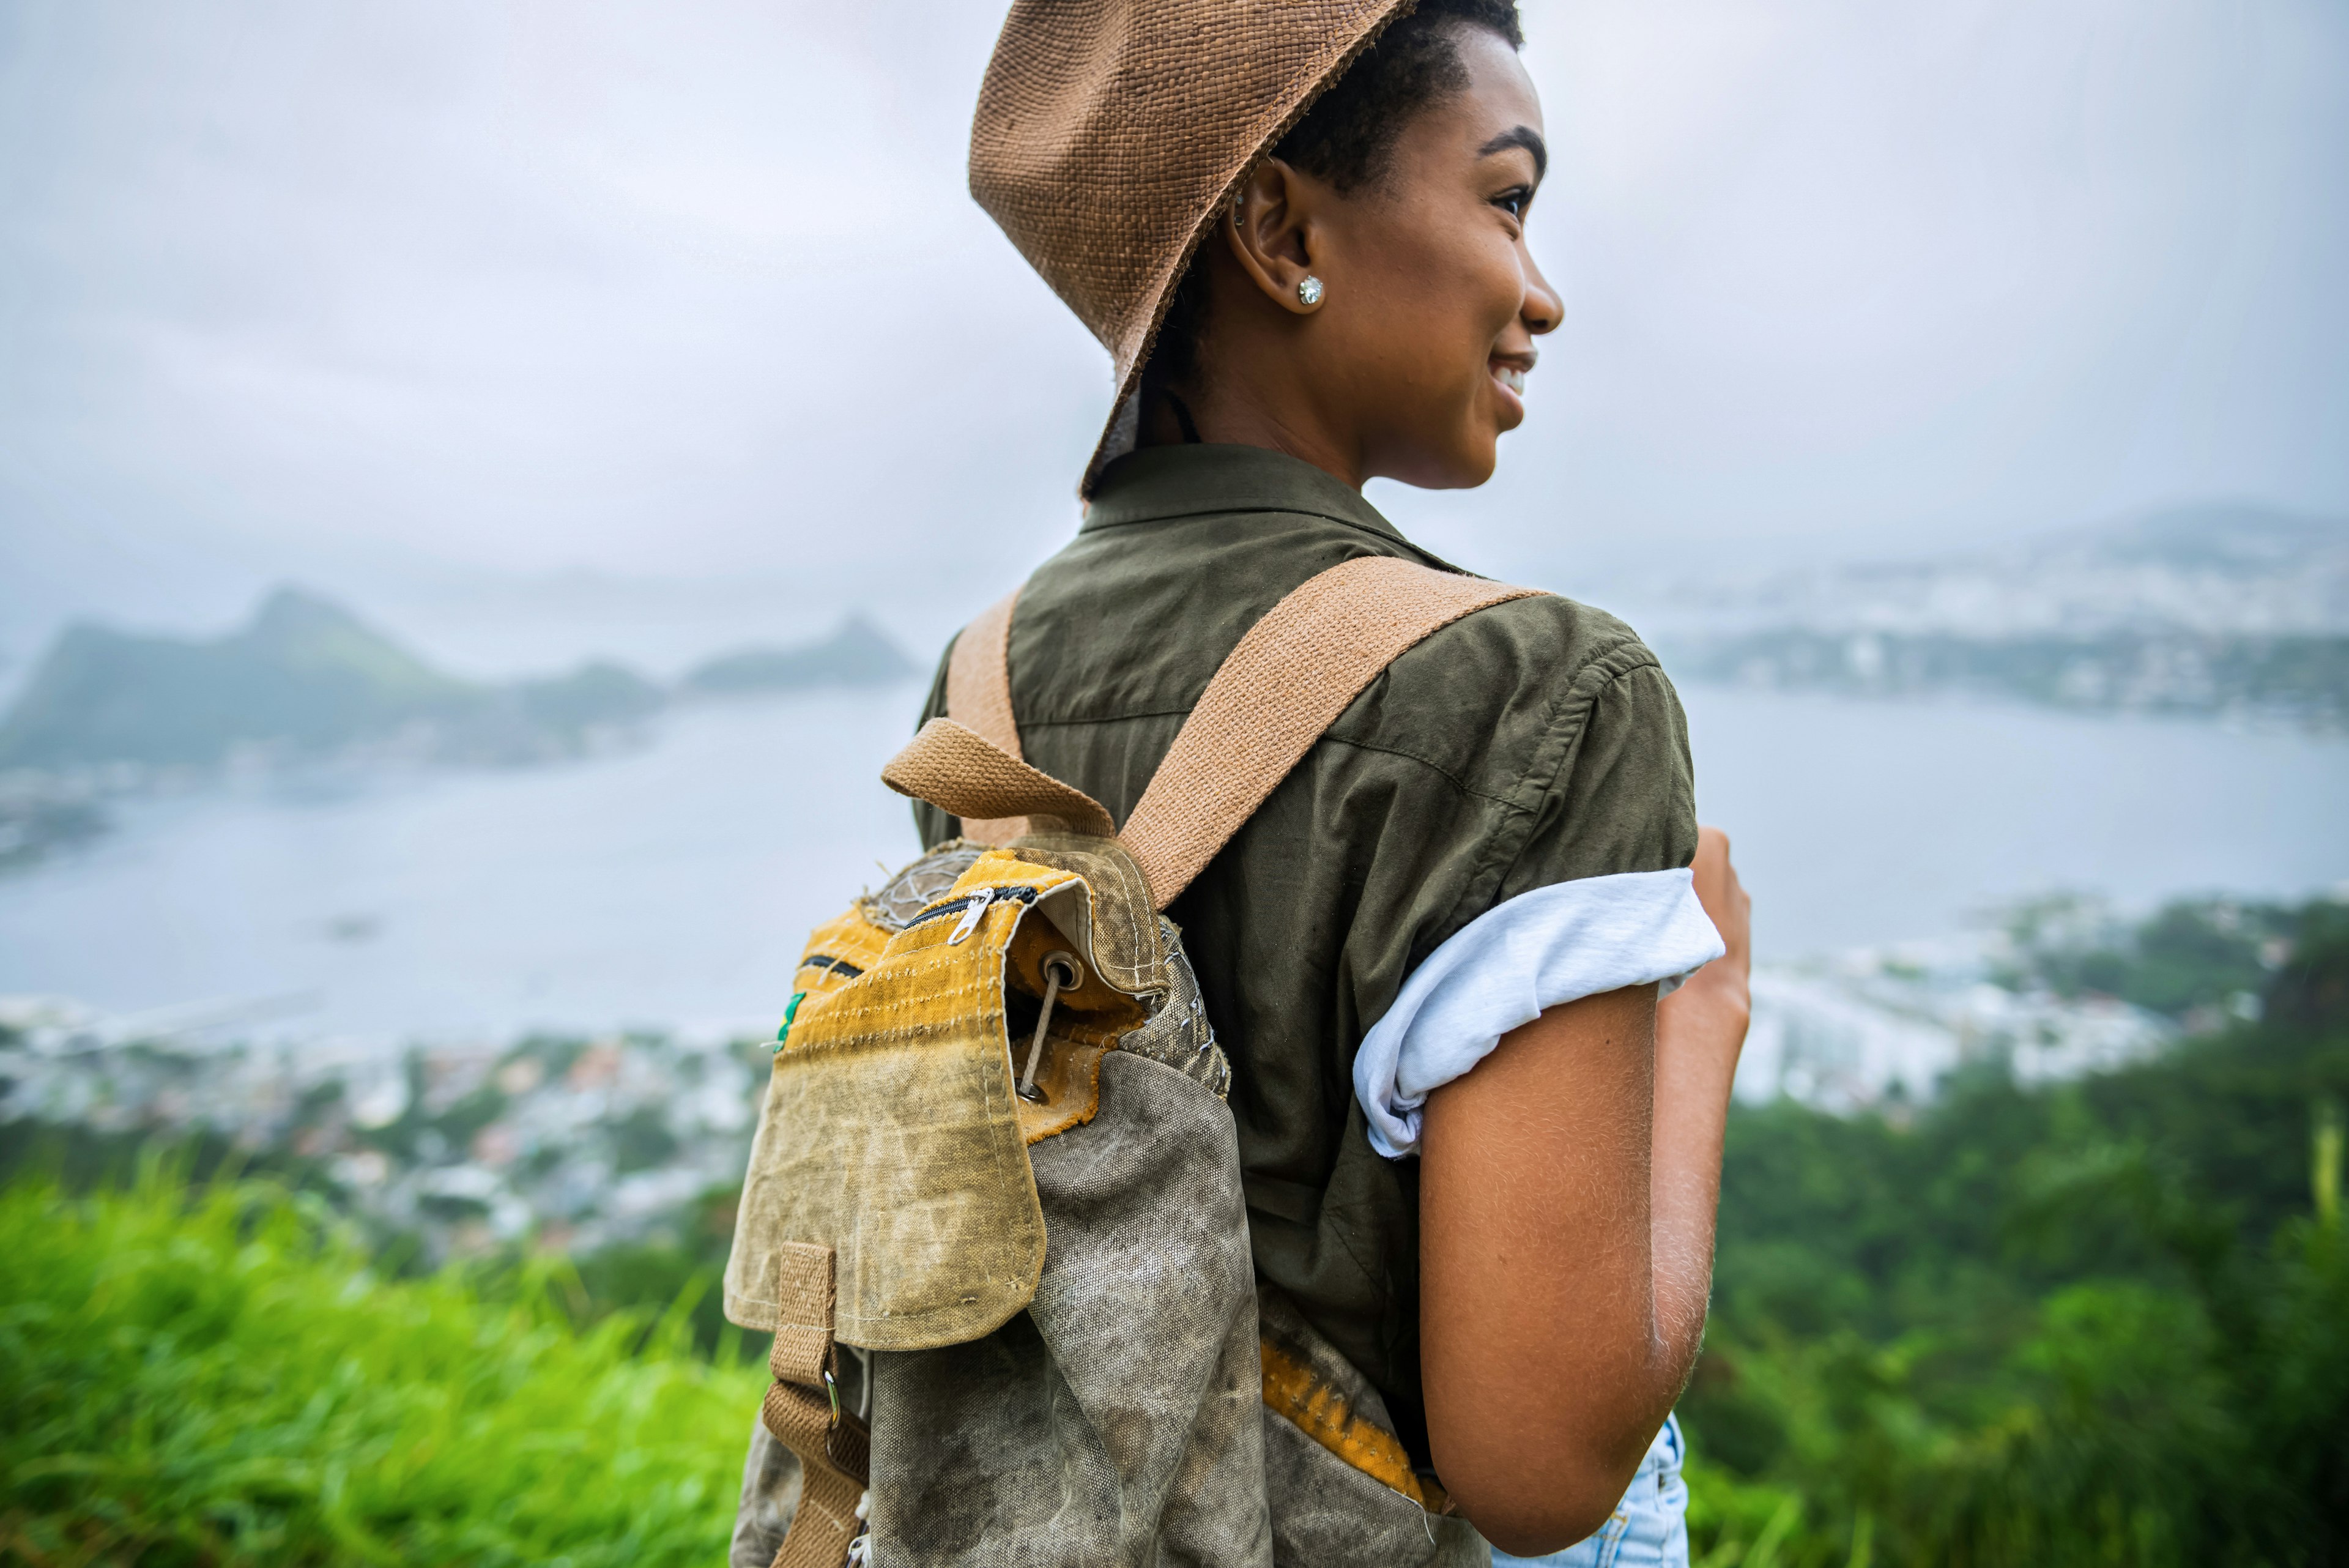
(1503, 697)
(1542, 638)
(1545, 643)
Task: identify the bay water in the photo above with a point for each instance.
(670, 886)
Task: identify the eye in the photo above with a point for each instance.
(1515, 200)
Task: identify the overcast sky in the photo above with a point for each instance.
(428, 303)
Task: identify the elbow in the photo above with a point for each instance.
(1535, 1519)
(1528, 1502)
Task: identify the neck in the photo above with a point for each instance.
(1244, 410)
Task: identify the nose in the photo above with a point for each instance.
(1543, 309)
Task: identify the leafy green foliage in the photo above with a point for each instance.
(2195, 960)
(221, 1377)
(2101, 1322)
(689, 1268)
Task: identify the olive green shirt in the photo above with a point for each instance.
(1531, 742)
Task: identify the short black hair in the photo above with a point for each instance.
(1347, 136)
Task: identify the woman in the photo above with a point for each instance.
(1481, 1155)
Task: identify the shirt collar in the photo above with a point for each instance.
(1154, 483)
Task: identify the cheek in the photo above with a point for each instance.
(1458, 293)
(1490, 287)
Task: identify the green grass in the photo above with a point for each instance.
(217, 1377)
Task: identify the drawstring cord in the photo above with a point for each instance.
(1061, 973)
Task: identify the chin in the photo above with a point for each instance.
(1448, 472)
(1462, 463)
(1471, 463)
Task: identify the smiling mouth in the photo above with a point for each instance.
(1509, 376)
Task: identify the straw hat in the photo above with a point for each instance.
(1110, 133)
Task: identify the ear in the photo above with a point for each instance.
(1275, 226)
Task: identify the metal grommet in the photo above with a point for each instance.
(1061, 971)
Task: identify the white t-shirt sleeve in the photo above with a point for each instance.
(1542, 948)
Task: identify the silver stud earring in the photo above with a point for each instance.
(1309, 290)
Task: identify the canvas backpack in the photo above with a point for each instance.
(993, 1215)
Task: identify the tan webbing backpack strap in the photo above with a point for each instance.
(978, 698)
(1285, 683)
(803, 1411)
(963, 773)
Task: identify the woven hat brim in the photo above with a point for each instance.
(1123, 430)
(1110, 135)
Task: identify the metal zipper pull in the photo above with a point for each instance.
(970, 916)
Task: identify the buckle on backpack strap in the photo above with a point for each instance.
(836, 1456)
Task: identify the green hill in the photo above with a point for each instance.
(304, 674)
(304, 677)
(858, 654)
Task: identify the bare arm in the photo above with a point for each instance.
(1567, 1193)
(1700, 1029)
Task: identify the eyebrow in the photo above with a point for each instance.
(1523, 136)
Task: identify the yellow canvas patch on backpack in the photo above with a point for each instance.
(893, 1130)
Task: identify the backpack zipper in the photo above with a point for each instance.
(971, 906)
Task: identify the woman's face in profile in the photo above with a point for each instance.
(1433, 298)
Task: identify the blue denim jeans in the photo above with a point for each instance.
(1648, 1527)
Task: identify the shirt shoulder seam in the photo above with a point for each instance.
(1562, 732)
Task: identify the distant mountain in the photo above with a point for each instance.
(2223, 608)
(2224, 568)
(858, 654)
(304, 677)
(2232, 538)
(593, 694)
(307, 679)
(2300, 680)
(304, 673)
